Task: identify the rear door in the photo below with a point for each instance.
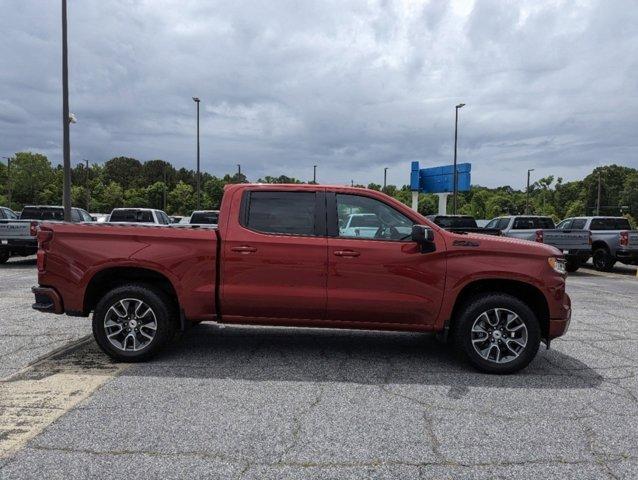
(382, 278)
(274, 260)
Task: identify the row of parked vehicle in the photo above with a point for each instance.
(606, 240)
(18, 231)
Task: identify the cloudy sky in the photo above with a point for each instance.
(349, 86)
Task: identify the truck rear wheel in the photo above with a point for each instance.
(497, 333)
(602, 260)
(132, 323)
(4, 256)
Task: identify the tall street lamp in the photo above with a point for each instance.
(165, 187)
(527, 192)
(86, 185)
(66, 119)
(239, 172)
(196, 100)
(385, 178)
(456, 176)
(314, 174)
(8, 159)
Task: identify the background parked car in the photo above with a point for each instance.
(100, 217)
(461, 224)
(575, 244)
(139, 215)
(204, 217)
(613, 240)
(18, 235)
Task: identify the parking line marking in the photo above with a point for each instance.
(35, 397)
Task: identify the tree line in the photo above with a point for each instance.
(127, 182)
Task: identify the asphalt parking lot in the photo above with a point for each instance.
(285, 403)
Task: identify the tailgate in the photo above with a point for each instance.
(15, 230)
(567, 239)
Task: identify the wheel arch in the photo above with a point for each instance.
(599, 244)
(110, 278)
(529, 294)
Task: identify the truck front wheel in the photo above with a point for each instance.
(4, 256)
(133, 322)
(497, 333)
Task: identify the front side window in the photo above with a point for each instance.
(368, 218)
(579, 224)
(288, 213)
(565, 224)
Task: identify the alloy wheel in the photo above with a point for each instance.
(130, 325)
(499, 335)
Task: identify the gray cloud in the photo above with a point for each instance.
(349, 86)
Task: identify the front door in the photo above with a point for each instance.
(274, 261)
(376, 273)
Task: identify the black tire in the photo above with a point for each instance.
(165, 320)
(572, 265)
(602, 260)
(474, 309)
(4, 256)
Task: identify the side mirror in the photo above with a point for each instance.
(93, 219)
(424, 236)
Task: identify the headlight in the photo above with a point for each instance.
(558, 264)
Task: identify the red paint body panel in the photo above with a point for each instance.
(297, 280)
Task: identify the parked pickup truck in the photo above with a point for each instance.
(613, 240)
(139, 215)
(18, 236)
(461, 224)
(282, 255)
(575, 244)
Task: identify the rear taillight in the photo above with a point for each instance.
(624, 238)
(539, 236)
(33, 229)
(44, 239)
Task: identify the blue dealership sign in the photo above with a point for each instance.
(440, 179)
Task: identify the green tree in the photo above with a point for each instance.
(123, 170)
(181, 200)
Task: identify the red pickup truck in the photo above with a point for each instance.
(287, 255)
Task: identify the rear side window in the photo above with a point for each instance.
(610, 224)
(208, 218)
(132, 216)
(288, 213)
(45, 213)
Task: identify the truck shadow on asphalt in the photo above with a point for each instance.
(21, 263)
(364, 357)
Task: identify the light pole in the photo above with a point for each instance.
(239, 172)
(165, 187)
(385, 178)
(527, 192)
(314, 174)
(598, 200)
(456, 180)
(86, 186)
(66, 119)
(8, 159)
(196, 100)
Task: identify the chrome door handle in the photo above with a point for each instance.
(346, 253)
(244, 249)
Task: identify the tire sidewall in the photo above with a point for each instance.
(602, 260)
(163, 314)
(476, 307)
